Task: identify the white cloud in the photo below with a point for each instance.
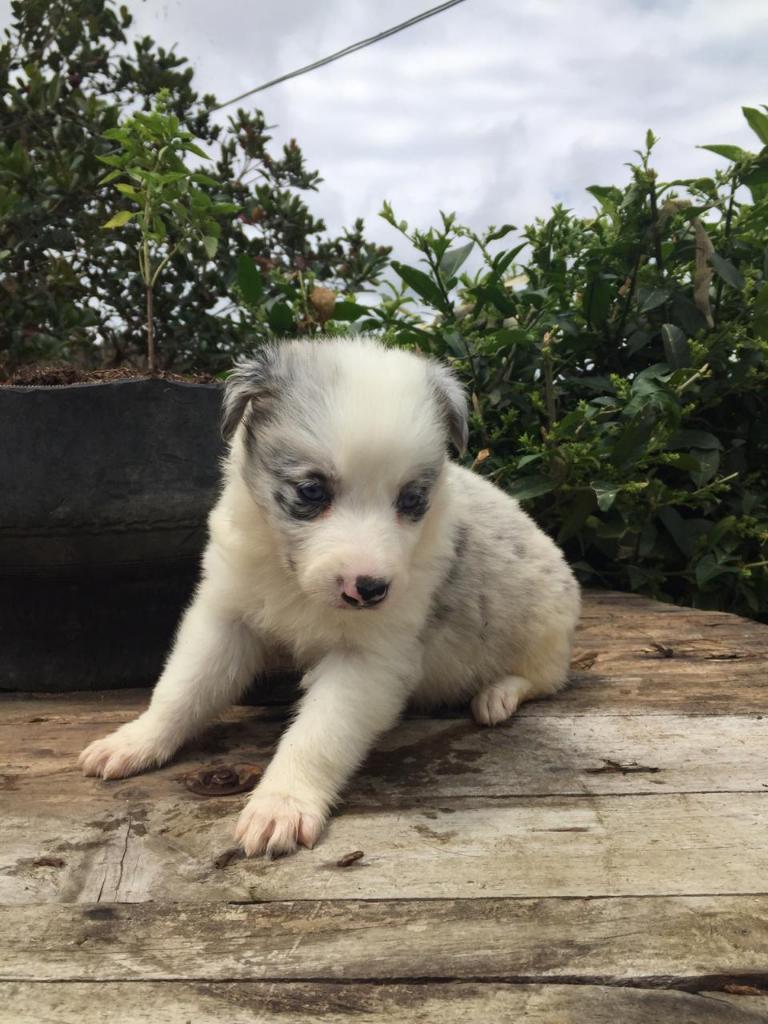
(494, 109)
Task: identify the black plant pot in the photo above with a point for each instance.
(104, 494)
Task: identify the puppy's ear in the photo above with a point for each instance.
(253, 382)
(452, 400)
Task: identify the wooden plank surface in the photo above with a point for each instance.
(631, 941)
(263, 1003)
(566, 867)
(141, 849)
(442, 757)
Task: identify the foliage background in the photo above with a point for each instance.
(617, 364)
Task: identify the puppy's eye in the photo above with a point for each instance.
(312, 492)
(412, 502)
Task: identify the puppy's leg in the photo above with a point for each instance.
(214, 657)
(542, 670)
(351, 700)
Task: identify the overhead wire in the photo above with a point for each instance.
(353, 48)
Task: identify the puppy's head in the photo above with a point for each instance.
(342, 445)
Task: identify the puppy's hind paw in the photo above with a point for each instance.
(499, 701)
(274, 825)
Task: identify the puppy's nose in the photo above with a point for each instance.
(371, 590)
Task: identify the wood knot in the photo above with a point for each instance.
(223, 780)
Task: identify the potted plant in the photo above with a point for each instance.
(101, 541)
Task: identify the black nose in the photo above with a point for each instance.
(371, 590)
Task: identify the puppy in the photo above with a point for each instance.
(344, 534)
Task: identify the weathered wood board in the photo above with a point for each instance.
(603, 857)
(449, 1003)
(528, 756)
(640, 941)
(142, 849)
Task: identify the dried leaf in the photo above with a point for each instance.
(349, 858)
(610, 767)
(702, 277)
(744, 990)
(584, 661)
(323, 300)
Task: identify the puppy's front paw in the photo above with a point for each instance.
(275, 824)
(131, 749)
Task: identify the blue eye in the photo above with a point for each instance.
(313, 492)
(412, 502)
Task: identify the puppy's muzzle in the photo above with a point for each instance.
(366, 592)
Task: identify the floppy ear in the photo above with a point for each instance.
(251, 383)
(452, 400)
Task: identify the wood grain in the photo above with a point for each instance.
(263, 1003)
(696, 940)
(603, 857)
(443, 758)
(135, 848)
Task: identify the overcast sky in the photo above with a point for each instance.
(495, 109)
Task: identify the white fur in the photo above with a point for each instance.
(481, 605)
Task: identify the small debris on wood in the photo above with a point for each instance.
(624, 767)
(48, 862)
(349, 858)
(744, 990)
(582, 662)
(38, 718)
(662, 649)
(225, 780)
(235, 853)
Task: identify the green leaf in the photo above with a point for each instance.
(761, 312)
(637, 340)
(204, 179)
(280, 318)
(684, 439)
(676, 349)
(656, 297)
(726, 270)
(732, 153)
(423, 285)
(607, 195)
(757, 183)
(531, 487)
(119, 219)
(349, 311)
(708, 568)
(127, 190)
(498, 233)
(598, 296)
(249, 280)
(708, 465)
(758, 122)
(454, 258)
(678, 529)
(190, 147)
(605, 493)
(581, 505)
(210, 244)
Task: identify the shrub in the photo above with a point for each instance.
(70, 290)
(618, 371)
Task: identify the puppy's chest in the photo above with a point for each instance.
(289, 621)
